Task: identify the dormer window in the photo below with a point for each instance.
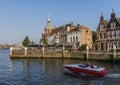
(113, 25)
(101, 27)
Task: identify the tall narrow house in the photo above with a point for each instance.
(108, 33)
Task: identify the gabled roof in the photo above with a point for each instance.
(79, 28)
(73, 30)
(55, 30)
(84, 27)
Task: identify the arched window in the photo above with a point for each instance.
(100, 35)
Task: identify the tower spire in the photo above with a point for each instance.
(101, 18)
(113, 14)
(112, 10)
(48, 18)
(101, 14)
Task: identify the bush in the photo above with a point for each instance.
(83, 47)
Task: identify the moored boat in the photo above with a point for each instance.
(86, 69)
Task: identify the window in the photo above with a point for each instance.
(104, 35)
(113, 25)
(101, 27)
(114, 34)
(110, 34)
(101, 36)
(76, 38)
(118, 44)
(71, 39)
(118, 33)
(110, 45)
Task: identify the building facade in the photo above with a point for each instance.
(108, 33)
(74, 36)
(79, 35)
(68, 35)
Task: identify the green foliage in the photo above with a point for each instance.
(83, 47)
(94, 36)
(45, 41)
(69, 49)
(26, 41)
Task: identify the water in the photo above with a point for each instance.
(50, 72)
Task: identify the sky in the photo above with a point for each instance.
(21, 18)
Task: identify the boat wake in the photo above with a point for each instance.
(87, 75)
(112, 75)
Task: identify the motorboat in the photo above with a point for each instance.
(86, 69)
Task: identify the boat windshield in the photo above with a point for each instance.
(84, 65)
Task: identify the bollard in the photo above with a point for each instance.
(25, 51)
(11, 51)
(114, 53)
(63, 52)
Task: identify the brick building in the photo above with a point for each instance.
(108, 33)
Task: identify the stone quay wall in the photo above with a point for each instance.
(63, 52)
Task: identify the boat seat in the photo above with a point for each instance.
(87, 65)
(91, 66)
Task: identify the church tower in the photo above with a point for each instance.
(48, 27)
(113, 14)
(47, 31)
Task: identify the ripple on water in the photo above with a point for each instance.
(112, 76)
(50, 72)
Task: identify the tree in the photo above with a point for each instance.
(94, 36)
(83, 47)
(26, 41)
(45, 41)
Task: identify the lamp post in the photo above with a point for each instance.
(11, 51)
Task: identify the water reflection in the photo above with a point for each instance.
(50, 72)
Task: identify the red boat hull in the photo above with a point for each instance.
(80, 70)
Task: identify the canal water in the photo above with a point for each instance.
(50, 72)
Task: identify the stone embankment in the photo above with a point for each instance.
(63, 53)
